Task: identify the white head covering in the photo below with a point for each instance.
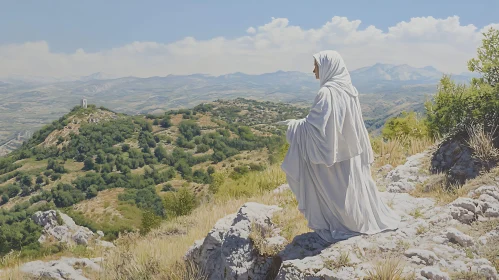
(333, 72)
(334, 129)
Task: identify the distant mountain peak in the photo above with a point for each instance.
(97, 76)
(431, 68)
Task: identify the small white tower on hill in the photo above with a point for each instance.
(84, 103)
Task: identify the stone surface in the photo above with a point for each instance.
(433, 273)
(281, 188)
(427, 257)
(455, 158)
(460, 238)
(404, 178)
(68, 231)
(62, 269)
(227, 251)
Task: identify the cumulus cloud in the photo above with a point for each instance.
(276, 45)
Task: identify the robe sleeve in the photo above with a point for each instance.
(326, 135)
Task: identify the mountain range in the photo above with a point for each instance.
(27, 102)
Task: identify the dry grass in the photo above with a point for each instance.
(491, 251)
(205, 122)
(482, 143)
(106, 209)
(258, 236)
(436, 187)
(159, 255)
(253, 183)
(395, 152)
(389, 269)
(467, 275)
(341, 261)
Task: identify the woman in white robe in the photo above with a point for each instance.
(329, 159)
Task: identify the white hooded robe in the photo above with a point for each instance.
(328, 162)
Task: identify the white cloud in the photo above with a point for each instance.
(277, 45)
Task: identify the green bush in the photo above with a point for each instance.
(456, 106)
(180, 203)
(405, 125)
(149, 221)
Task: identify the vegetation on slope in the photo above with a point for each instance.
(163, 165)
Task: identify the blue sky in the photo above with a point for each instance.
(99, 26)
(96, 25)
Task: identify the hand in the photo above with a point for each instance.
(286, 122)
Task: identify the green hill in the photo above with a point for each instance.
(107, 169)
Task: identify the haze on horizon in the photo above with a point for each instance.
(127, 38)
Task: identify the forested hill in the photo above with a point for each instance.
(107, 170)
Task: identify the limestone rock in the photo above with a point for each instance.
(82, 235)
(428, 257)
(281, 188)
(404, 178)
(68, 231)
(433, 273)
(466, 203)
(462, 215)
(65, 268)
(460, 238)
(228, 253)
(455, 158)
(486, 237)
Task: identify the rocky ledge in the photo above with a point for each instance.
(59, 227)
(432, 242)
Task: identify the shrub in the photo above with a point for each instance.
(202, 148)
(149, 221)
(405, 125)
(167, 188)
(180, 203)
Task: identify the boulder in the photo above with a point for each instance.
(460, 238)
(67, 231)
(228, 252)
(404, 178)
(62, 269)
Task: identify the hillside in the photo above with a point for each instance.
(107, 170)
(29, 102)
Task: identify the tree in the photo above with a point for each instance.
(487, 62)
(160, 152)
(101, 157)
(189, 129)
(89, 164)
(125, 148)
(5, 199)
(39, 179)
(166, 122)
(167, 188)
(202, 148)
(26, 180)
(13, 190)
(106, 168)
(211, 170)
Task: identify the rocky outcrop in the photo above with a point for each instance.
(62, 269)
(405, 177)
(433, 242)
(455, 158)
(228, 251)
(60, 227)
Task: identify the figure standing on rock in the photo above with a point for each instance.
(328, 164)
